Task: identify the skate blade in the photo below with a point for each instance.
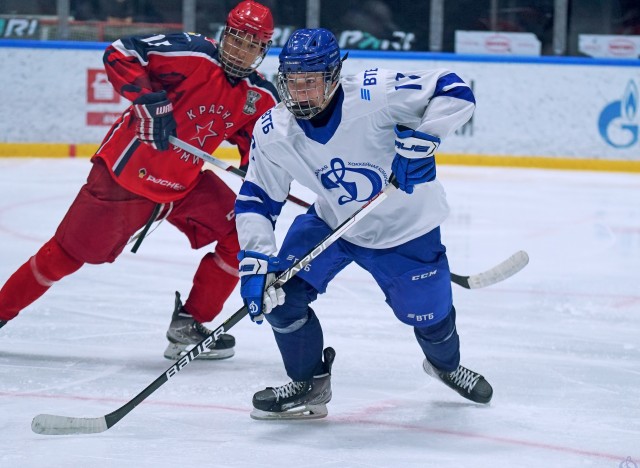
(175, 351)
(305, 412)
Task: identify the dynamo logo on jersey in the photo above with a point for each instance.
(361, 181)
(618, 122)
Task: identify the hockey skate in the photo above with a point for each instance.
(467, 383)
(185, 332)
(297, 400)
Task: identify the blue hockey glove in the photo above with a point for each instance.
(414, 162)
(153, 115)
(257, 271)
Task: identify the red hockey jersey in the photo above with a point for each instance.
(208, 108)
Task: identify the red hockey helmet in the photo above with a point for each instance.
(252, 17)
(246, 38)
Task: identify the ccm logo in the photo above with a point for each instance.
(424, 275)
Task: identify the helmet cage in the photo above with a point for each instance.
(308, 55)
(236, 47)
(295, 100)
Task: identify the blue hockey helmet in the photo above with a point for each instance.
(309, 71)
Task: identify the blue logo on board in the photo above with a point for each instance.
(618, 122)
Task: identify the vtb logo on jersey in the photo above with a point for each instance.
(250, 105)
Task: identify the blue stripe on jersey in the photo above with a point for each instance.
(259, 202)
(461, 92)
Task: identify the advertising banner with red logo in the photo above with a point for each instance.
(100, 91)
(496, 43)
(534, 107)
(603, 46)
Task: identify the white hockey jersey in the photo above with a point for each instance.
(348, 161)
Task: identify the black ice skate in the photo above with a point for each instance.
(467, 383)
(185, 332)
(3, 323)
(297, 400)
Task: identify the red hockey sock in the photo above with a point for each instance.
(34, 278)
(213, 283)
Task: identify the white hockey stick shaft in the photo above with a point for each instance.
(197, 152)
(500, 272)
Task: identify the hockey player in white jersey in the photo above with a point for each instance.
(343, 138)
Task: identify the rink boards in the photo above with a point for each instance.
(569, 113)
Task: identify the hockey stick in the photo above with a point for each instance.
(50, 424)
(498, 273)
(145, 230)
(197, 152)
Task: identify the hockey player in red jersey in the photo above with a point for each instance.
(202, 92)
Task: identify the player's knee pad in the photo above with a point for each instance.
(52, 263)
(295, 311)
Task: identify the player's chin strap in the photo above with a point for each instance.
(50, 424)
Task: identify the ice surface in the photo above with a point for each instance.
(560, 342)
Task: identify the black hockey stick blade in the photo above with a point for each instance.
(49, 424)
(501, 272)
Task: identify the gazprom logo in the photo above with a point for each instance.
(618, 122)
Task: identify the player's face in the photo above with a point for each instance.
(240, 52)
(307, 89)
